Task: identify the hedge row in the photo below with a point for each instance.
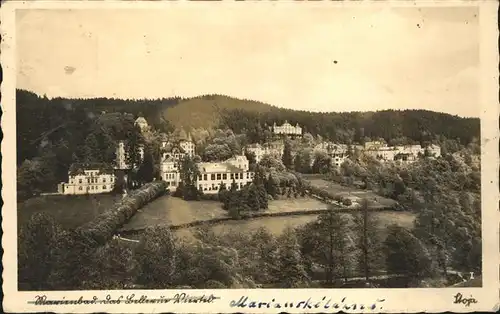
(104, 226)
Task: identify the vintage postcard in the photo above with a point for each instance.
(250, 157)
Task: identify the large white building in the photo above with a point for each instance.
(287, 129)
(121, 155)
(92, 179)
(275, 149)
(213, 174)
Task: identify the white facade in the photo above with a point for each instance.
(170, 174)
(177, 150)
(287, 129)
(142, 123)
(172, 153)
(374, 145)
(337, 152)
(89, 181)
(121, 155)
(407, 153)
(434, 150)
(212, 175)
(275, 149)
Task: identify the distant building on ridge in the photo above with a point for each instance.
(287, 129)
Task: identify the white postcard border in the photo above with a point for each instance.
(395, 300)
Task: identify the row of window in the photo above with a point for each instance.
(169, 176)
(92, 187)
(93, 180)
(223, 176)
(215, 187)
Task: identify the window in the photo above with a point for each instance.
(205, 177)
(241, 185)
(112, 179)
(224, 176)
(212, 176)
(80, 181)
(218, 176)
(80, 188)
(213, 186)
(199, 177)
(248, 175)
(200, 187)
(232, 176)
(104, 187)
(103, 180)
(92, 187)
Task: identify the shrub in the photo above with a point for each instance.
(104, 226)
(347, 202)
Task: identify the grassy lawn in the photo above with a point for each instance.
(277, 224)
(295, 204)
(174, 211)
(356, 195)
(70, 211)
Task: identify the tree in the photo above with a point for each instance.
(189, 173)
(326, 242)
(91, 149)
(35, 250)
(253, 199)
(73, 256)
(307, 139)
(272, 186)
(156, 256)
(367, 240)
(251, 157)
(322, 163)
(146, 171)
(114, 267)
(259, 180)
(302, 161)
(287, 155)
(267, 262)
(269, 163)
(133, 147)
(292, 272)
(406, 254)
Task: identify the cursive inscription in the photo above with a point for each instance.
(310, 303)
(127, 299)
(460, 299)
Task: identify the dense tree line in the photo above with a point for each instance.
(356, 127)
(53, 258)
(445, 193)
(53, 134)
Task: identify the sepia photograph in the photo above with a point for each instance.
(296, 147)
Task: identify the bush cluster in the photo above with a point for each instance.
(104, 226)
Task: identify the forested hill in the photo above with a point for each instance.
(37, 115)
(350, 127)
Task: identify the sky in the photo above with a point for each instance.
(299, 57)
